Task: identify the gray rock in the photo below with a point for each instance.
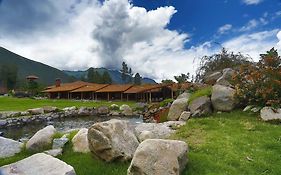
(255, 109)
(158, 130)
(223, 98)
(59, 142)
(73, 108)
(144, 135)
(80, 141)
(25, 113)
(159, 157)
(3, 123)
(200, 106)
(36, 164)
(54, 152)
(36, 111)
(248, 108)
(49, 109)
(126, 110)
(268, 113)
(178, 106)
(41, 139)
(185, 115)
(112, 140)
(9, 147)
(212, 78)
(184, 95)
(114, 107)
(103, 110)
(84, 111)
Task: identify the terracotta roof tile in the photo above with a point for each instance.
(143, 88)
(68, 87)
(91, 88)
(115, 88)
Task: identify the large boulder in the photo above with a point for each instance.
(42, 139)
(80, 141)
(40, 163)
(268, 113)
(178, 106)
(112, 140)
(212, 78)
(36, 111)
(156, 130)
(183, 95)
(223, 98)
(185, 115)
(159, 157)
(226, 77)
(59, 142)
(200, 106)
(9, 147)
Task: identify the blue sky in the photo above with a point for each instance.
(202, 18)
(157, 38)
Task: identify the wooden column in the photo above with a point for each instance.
(108, 96)
(121, 96)
(150, 97)
(127, 97)
(81, 95)
(172, 94)
(96, 96)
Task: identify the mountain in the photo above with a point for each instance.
(114, 74)
(25, 67)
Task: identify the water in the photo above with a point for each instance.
(61, 125)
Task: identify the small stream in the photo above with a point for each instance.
(61, 125)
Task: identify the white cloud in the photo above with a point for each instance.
(106, 34)
(252, 2)
(279, 43)
(250, 25)
(253, 44)
(225, 28)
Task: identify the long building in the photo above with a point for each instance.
(92, 91)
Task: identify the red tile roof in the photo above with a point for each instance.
(115, 88)
(90, 88)
(68, 87)
(142, 88)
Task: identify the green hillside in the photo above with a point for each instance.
(46, 74)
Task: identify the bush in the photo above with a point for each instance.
(218, 62)
(207, 91)
(259, 84)
(165, 102)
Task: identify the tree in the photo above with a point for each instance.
(91, 75)
(167, 81)
(218, 62)
(259, 84)
(130, 75)
(105, 78)
(181, 79)
(137, 79)
(124, 71)
(8, 76)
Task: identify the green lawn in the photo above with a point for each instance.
(22, 104)
(221, 144)
(232, 143)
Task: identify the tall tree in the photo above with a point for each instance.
(8, 76)
(130, 75)
(137, 79)
(181, 79)
(124, 71)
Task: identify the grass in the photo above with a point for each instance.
(221, 144)
(199, 93)
(22, 104)
(232, 143)
(165, 102)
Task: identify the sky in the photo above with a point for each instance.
(157, 38)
